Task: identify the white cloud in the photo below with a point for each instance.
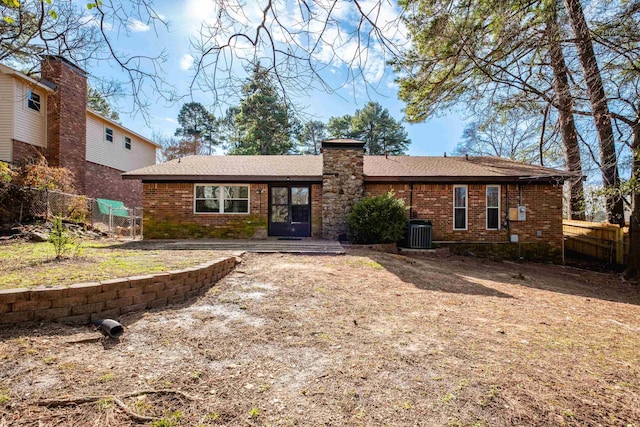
(186, 61)
(169, 119)
(93, 21)
(138, 26)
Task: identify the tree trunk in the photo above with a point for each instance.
(600, 110)
(568, 130)
(633, 261)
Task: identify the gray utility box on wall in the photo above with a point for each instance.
(419, 234)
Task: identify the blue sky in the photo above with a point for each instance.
(184, 18)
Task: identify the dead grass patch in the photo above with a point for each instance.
(28, 264)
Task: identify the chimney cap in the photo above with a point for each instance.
(68, 63)
(342, 144)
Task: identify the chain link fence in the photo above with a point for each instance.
(104, 215)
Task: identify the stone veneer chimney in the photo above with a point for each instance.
(66, 117)
(342, 183)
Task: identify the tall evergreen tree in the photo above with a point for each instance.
(566, 121)
(469, 50)
(198, 129)
(263, 121)
(340, 127)
(381, 133)
(98, 103)
(310, 137)
(599, 108)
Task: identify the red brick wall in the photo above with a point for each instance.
(435, 202)
(168, 214)
(66, 118)
(107, 183)
(23, 152)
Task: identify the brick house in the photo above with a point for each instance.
(468, 199)
(49, 116)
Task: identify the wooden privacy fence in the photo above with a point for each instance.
(603, 241)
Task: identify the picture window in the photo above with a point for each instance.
(229, 199)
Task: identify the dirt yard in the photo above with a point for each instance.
(365, 339)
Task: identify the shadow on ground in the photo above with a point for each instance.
(465, 272)
(415, 271)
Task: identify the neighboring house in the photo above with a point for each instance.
(49, 116)
(468, 199)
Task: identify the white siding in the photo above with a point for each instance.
(114, 154)
(30, 125)
(6, 117)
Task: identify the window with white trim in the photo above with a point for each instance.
(127, 143)
(493, 207)
(218, 198)
(108, 134)
(33, 101)
(459, 207)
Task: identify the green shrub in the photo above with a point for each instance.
(379, 219)
(60, 238)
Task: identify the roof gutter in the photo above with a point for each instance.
(378, 179)
(220, 178)
(466, 179)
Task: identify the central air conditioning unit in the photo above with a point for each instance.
(419, 234)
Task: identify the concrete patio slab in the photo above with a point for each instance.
(271, 245)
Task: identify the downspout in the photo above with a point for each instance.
(410, 200)
(507, 224)
(520, 194)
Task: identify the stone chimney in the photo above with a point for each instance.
(66, 116)
(342, 184)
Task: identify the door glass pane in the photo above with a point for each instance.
(299, 195)
(300, 213)
(279, 195)
(279, 213)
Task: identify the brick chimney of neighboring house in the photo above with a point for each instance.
(342, 183)
(66, 117)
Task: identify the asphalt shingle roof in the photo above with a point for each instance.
(309, 168)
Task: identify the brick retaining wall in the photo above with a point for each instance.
(84, 302)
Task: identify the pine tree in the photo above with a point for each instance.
(263, 121)
(198, 130)
(311, 136)
(374, 126)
